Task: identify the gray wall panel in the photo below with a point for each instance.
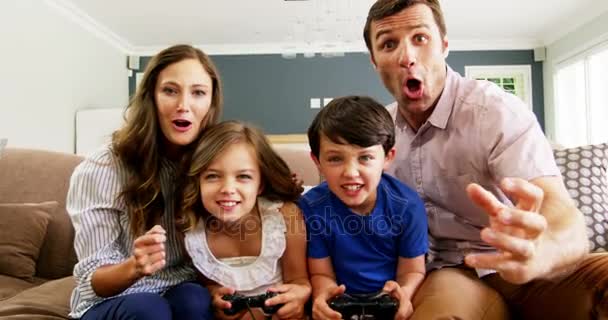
(274, 93)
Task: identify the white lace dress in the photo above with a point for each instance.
(249, 275)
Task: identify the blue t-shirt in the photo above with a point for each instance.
(364, 250)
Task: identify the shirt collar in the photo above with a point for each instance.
(440, 116)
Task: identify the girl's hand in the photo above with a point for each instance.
(405, 305)
(149, 252)
(220, 304)
(293, 297)
(320, 308)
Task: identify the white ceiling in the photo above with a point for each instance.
(142, 27)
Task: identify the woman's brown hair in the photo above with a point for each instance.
(138, 144)
(276, 177)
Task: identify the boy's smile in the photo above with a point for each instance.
(352, 172)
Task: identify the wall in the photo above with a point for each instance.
(50, 68)
(577, 42)
(274, 92)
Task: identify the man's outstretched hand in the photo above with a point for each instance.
(517, 233)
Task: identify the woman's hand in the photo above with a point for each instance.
(293, 297)
(149, 252)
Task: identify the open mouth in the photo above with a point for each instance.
(413, 88)
(182, 123)
(413, 84)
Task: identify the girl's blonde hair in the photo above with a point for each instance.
(276, 177)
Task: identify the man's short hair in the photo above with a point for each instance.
(386, 8)
(356, 120)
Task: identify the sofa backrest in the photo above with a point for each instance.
(32, 176)
(298, 159)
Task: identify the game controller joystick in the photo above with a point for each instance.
(239, 302)
(378, 304)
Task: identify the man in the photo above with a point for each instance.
(500, 219)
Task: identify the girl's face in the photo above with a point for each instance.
(183, 98)
(231, 184)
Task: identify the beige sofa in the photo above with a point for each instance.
(41, 232)
(43, 235)
(33, 176)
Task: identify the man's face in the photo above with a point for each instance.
(409, 54)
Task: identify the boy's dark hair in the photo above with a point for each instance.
(356, 120)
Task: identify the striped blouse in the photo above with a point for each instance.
(102, 228)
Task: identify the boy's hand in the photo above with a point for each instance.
(220, 304)
(405, 305)
(293, 297)
(320, 308)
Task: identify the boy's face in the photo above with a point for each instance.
(352, 172)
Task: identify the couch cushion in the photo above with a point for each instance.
(24, 228)
(36, 176)
(50, 300)
(298, 159)
(584, 172)
(10, 286)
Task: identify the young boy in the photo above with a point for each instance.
(367, 231)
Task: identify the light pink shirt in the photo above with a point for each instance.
(477, 133)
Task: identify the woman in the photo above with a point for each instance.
(131, 262)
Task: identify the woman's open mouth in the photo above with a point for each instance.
(182, 125)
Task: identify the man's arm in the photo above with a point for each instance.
(543, 236)
(566, 235)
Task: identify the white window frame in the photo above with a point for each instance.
(505, 71)
(583, 57)
(138, 77)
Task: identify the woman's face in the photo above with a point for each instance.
(183, 97)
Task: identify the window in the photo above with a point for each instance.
(581, 99)
(515, 79)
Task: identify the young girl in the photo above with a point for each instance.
(242, 229)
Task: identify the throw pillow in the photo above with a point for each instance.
(584, 172)
(24, 228)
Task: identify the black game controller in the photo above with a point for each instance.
(239, 302)
(379, 305)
